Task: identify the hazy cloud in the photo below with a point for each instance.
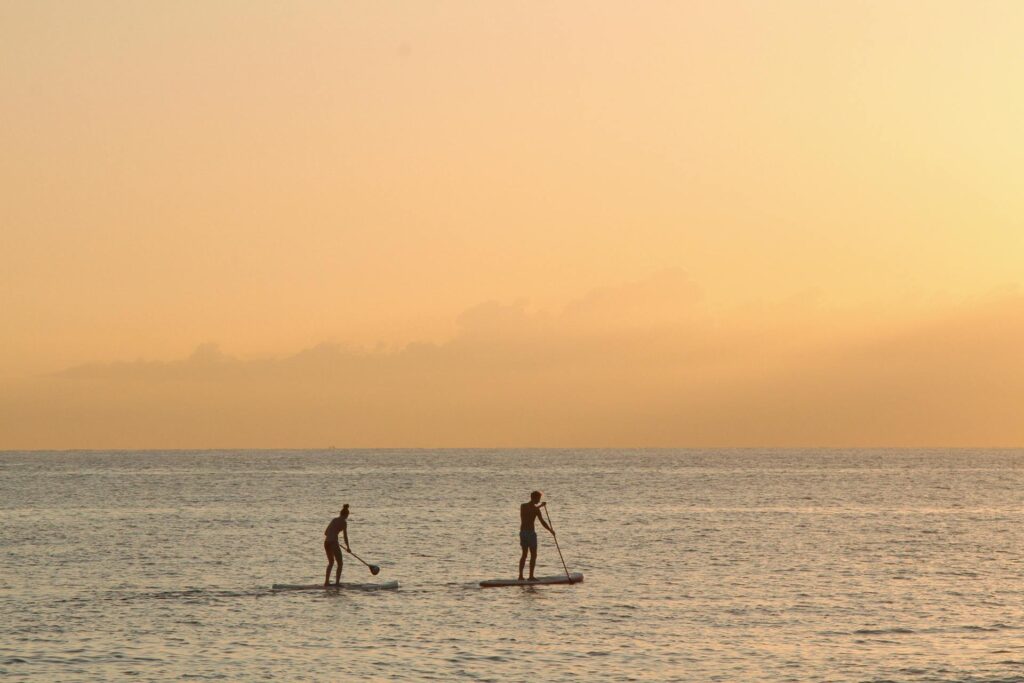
(641, 364)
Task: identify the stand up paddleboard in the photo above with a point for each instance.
(344, 586)
(541, 581)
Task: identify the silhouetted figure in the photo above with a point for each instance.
(338, 525)
(528, 512)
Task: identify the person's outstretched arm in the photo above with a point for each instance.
(540, 517)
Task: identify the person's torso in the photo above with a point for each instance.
(336, 526)
(527, 514)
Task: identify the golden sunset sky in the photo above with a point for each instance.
(304, 224)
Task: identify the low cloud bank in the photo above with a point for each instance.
(645, 364)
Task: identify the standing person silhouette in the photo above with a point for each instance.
(528, 512)
(338, 525)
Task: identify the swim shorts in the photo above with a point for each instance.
(528, 539)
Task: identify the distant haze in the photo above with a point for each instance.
(468, 224)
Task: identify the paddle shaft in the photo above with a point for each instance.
(555, 536)
(359, 558)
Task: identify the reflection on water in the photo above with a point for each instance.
(700, 565)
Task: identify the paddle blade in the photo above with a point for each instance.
(374, 569)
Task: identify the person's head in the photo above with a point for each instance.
(344, 510)
(535, 497)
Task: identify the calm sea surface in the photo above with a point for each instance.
(700, 565)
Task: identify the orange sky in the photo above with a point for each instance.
(473, 224)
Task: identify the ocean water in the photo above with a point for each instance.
(748, 565)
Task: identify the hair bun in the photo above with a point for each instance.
(345, 506)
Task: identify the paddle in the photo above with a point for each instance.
(555, 536)
(374, 569)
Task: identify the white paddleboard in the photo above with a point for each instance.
(541, 581)
(344, 586)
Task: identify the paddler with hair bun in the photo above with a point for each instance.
(338, 525)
